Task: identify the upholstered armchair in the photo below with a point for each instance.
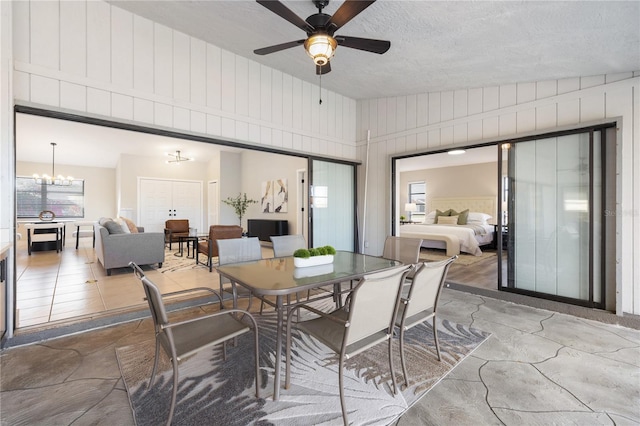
(208, 246)
(175, 228)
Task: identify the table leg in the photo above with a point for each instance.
(77, 236)
(29, 241)
(276, 379)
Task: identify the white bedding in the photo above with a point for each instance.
(469, 241)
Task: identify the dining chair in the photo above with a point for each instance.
(235, 250)
(405, 250)
(366, 320)
(285, 245)
(209, 246)
(183, 338)
(420, 302)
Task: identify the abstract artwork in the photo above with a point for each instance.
(266, 200)
(280, 196)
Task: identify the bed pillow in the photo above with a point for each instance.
(476, 217)
(430, 219)
(440, 214)
(447, 220)
(462, 216)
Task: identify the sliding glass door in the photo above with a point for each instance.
(333, 205)
(553, 217)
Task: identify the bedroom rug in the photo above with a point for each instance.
(464, 259)
(213, 391)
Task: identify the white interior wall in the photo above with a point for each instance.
(431, 121)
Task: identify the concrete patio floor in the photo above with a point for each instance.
(538, 367)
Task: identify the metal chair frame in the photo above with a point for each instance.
(183, 338)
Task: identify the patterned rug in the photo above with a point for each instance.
(465, 259)
(212, 390)
(174, 263)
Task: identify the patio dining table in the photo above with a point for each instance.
(279, 278)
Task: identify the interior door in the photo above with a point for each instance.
(187, 202)
(155, 204)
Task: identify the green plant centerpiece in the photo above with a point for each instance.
(239, 204)
(314, 256)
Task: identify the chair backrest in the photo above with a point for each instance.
(406, 250)
(285, 245)
(236, 250)
(154, 298)
(426, 286)
(177, 225)
(374, 301)
(223, 232)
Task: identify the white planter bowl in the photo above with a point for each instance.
(301, 262)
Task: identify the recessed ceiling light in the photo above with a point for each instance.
(456, 152)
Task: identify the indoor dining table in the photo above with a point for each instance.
(279, 278)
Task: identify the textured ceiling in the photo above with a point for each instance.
(435, 45)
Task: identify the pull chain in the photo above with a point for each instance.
(320, 95)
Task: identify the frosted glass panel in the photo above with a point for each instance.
(549, 218)
(332, 204)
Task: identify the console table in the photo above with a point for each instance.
(45, 231)
(90, 233)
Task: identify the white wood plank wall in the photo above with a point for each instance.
(93, 58)
(431, 121)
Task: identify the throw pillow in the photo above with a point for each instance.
(113, 227)
(132, 226)
(448, 220)
(462, 216)
(123, 225)
(439, 214)
(103, 220)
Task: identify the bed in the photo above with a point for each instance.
(456, 238)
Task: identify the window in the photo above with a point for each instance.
(417, 196)
(64, 201)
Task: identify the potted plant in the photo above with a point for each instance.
(239, 204)
(313, 256)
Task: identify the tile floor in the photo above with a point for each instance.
(537, 367)
(55, 287)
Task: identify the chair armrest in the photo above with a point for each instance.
(318, 312)
(215, 314)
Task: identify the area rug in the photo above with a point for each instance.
(214, 391)
(465, 259)
(174, 263)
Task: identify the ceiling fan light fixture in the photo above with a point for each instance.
(320, 47)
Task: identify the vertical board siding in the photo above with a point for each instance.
(95, 58)
(464, 117)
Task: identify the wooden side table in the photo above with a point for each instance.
(78, 233)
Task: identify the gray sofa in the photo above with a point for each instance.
(116, 250)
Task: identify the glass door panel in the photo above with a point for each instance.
(554, 185)
(333, 205)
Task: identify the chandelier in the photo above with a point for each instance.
(177, 158)
(45, 179)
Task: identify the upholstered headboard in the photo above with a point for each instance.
(474, 204)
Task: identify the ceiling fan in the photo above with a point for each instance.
(321, 43)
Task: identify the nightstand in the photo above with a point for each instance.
(504, 235)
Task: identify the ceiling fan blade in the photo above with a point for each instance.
(368, 44)
(346, 12)
(278, 47)
(323, 69)
(284, 12)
